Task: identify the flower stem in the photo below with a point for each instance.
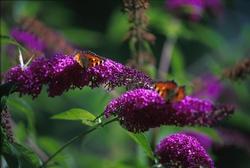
(75, 139)
(166, 54)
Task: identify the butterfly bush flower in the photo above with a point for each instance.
(193, 9)
(180, 150)
(63, 72)
(193, 111)
(141, 109)
(137, 110)
(6, 125)
(113, 74)
(25, 80)
(203, 139)
(27, 39)
(208, 86)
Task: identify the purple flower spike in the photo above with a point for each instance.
(192, 111)
(203, 139)
(27, 39)
(65, 74)
(180, 150)
(141, 109)
(6, 125)
(113, 74)
(137, 110)
(25, 81)
(107, 73)
(209, 87)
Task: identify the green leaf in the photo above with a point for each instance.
(17, 156)
(240, 119)
(116, 32)
(141, 140)
(20, 105)
(208, 37)
(77, 114)
(10, 155)
(27, 158)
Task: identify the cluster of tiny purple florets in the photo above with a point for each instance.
(180, 150)
(137, 110)
(6, 125)
(62, 73)
(193, 111)
(141, 109)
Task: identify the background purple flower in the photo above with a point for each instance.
(180, 150)
(62, 72)
(27, 39)
(137, 110)
(208, 86)
(193, 9)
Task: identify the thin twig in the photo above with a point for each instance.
(75, 139)
(166, 55)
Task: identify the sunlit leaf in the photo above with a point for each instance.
(141, 140)
(77, 114)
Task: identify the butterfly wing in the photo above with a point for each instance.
(93, 59)
(170, 91)
(164, 88)
(88, 59)
(179, 94)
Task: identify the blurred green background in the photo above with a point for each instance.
(208, 46)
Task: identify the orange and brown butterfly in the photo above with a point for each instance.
(88, 59)
(170, 91)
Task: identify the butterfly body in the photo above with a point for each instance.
(88, 59)
(170, 91)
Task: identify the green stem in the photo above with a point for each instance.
(75, 139)
(99, 116)
(165, 59)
